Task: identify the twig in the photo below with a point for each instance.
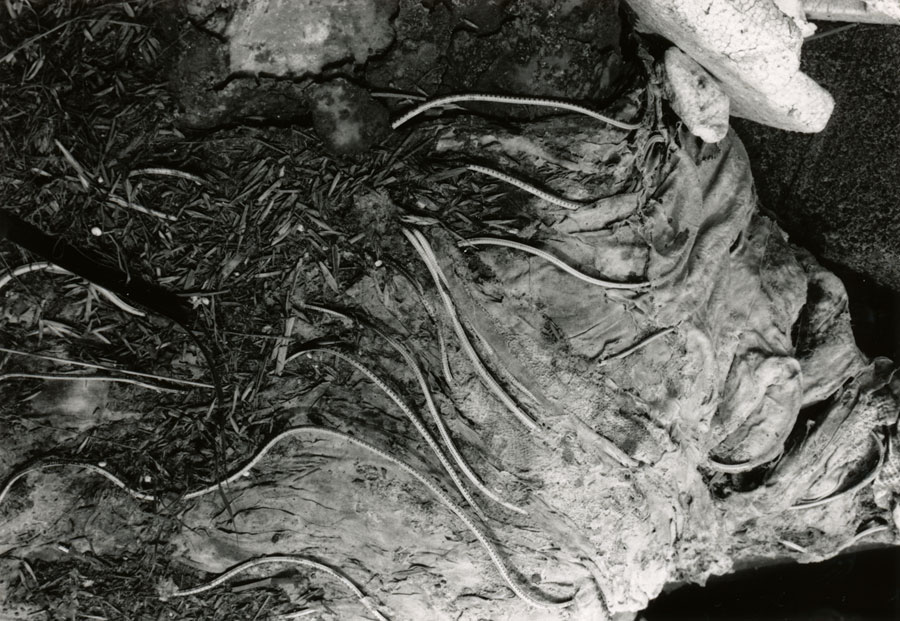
(115, 200)
(284, 559)
(88, 378)
(639, 345)
(543, 254)
(793, 546)
(79, 170)
(89, 365)
(421, 245)
(511, 99)
(167, 172)
(550, 198)
(51, 267)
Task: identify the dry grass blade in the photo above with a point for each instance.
(874, 530)
(89, 365)
(167, 172)
(127, 204)
(50, 267)
(26, 44)
(76, 166)
(89, 378)
(638, 346)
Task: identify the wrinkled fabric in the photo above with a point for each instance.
(766, 330)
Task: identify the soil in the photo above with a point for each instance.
(669, 443)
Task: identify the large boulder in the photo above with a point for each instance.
(753, 49)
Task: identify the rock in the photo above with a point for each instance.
(753, 49)
(275, 38)
(871, 11)
(302, 37)
(197, 80)
(568, 49)
(696, 97)
(794, 9)
(888, 8)
(836, 193)
(347, 118)
(72, 404)
(564, 49)
(211, 15)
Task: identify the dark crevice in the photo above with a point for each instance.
(860, 586)
(874, 312)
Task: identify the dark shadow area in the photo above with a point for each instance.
(861, 586)
(874, 313)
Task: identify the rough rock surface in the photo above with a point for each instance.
(563, 49)
(696, 97)
(871, 11)
(209, 99)
(753, 49)
(302, 37)
(559, 48)
(835, 192)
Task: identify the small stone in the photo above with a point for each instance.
(696, 97)
(347, 118)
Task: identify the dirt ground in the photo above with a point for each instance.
(282, 287)
(245, 224)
